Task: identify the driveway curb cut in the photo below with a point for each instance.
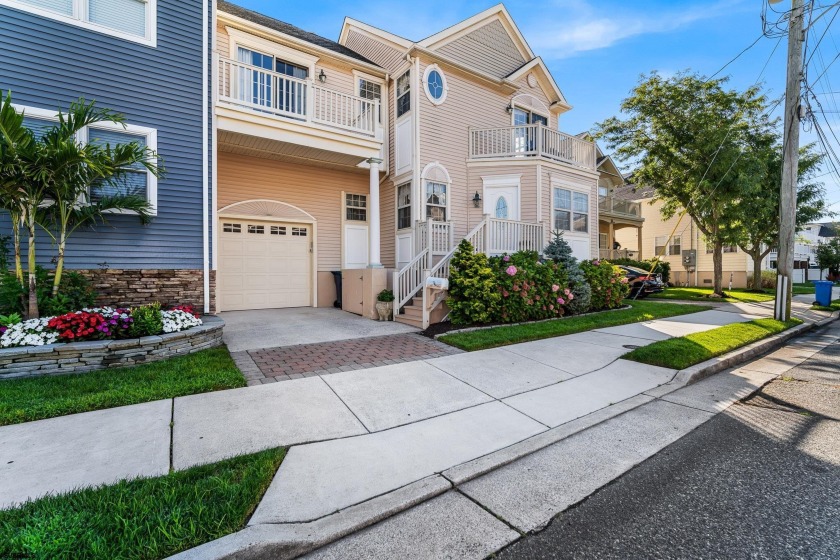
(288, 541)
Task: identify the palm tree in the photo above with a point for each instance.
(73, 169)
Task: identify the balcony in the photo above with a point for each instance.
(531, 141)
(297, 101)
(620, 207)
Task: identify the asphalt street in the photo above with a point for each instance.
(760, 481)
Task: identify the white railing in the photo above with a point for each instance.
(278, 94)
(408, 280)
(439, 237)
(510, 236)
(531, 140)
(620, 206)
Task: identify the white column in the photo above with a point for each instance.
(373, 213)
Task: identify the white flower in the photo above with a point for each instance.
(28, 333)
(176, 321)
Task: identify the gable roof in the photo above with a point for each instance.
(544, 77)
(288, 29)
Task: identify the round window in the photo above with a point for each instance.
(435, 85)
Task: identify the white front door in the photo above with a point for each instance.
(502, 202)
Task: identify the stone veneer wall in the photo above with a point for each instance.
(80, 357)
(128, 288)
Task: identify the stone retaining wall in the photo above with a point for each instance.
(79, 357)
(130, 288)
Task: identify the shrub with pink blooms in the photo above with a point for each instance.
(605, 280)
(531, 289)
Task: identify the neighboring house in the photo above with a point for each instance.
(474, 151)
(737, 265)
(620, 215)
(148, 60)
(808, 239)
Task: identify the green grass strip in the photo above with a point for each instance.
(513, 334)
(686, 351)
(835, 306)
(142, 518)
(36, 398)
(702, 294)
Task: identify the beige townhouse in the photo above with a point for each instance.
(373, 156)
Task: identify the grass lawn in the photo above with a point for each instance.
(835, 306)
(686, 351)
(142, 518)
(803, 289)
(701, 294)
(24, 400)
(504, 335)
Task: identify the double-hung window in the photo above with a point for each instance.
(134, 20)
(664, 248)
(571, 211)
(355, 207)
(403, 94)
(257, 85)
(404, 206)
(436, 201)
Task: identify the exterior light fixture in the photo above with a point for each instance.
(509, 108)
(476, 200)
(322, 77)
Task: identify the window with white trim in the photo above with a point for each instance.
(571, 210)
(403, 93)
(355, 207)
(435, 83)
(135, 180)
(436, 201)
(404, 206)
(128, 19)
(665, 248)
(710, 248)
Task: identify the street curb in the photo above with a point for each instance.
(292, 540)
(705, 369)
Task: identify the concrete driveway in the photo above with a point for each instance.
(270, 328)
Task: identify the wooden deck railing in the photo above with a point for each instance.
(531, 140)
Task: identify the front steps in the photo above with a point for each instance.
(412, 314)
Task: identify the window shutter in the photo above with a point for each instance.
(128, 16)
(60, 6)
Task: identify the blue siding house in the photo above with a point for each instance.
(149, 60)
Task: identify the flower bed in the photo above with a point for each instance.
(102, 323)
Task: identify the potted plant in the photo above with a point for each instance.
(385, 305)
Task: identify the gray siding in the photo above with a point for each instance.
(48, 64)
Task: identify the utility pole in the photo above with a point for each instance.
(790, 169)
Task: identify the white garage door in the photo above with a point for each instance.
(264, 265)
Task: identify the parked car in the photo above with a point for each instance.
(642, 282)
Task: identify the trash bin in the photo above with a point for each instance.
(823, 289)
(337, 278)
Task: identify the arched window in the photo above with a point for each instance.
(436, 183)
(502, 208)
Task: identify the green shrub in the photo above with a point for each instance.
(531, 289)
(76, 292)
(662, 267)
(148, 320)
(560, 252)
(609, 286)
(473, 294)
(385, 295)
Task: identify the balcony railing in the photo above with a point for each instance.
(531, 140)
(619, 206)
(510, 236)
(618, 254)
(278, 94)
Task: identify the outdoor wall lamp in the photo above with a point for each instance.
(509, 108)
(322, 77)
(477, 200)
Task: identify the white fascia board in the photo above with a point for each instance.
(397, 42)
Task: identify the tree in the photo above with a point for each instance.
(46, 181)
(828, 257)
(84, 166)
(754, 220)
(686, 136)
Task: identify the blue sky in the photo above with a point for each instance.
(597, 49)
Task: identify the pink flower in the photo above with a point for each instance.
(555, 288)
(567, 291)
(551, 307)
(612, 281)
(561, 301)
(624, 281)
(511, 270)
(571, 297)
(505, 293)
(506, 258)
(596, 262)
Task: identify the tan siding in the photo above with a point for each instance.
(488, 49)
(376, 51)
(312, 189)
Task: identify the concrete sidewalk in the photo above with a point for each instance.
(366, 432)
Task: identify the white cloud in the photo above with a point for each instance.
(578, 26)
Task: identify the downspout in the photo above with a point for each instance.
(415, 92)
(205, 175)
(214, 188)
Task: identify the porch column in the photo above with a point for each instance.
(611, 240)
(639, 237)
(374, 257)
